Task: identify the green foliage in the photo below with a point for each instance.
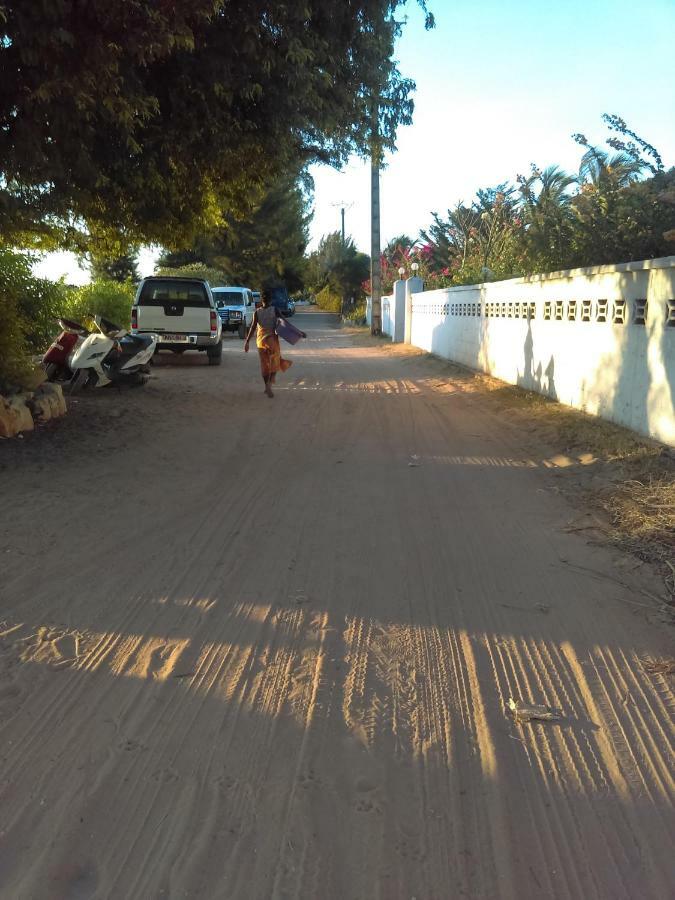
(101, 298)
(28, 308)
(158, 121)
(327, 300)
(337, 269)
(605, 214)
(264, 246)
(356, 313)
(396, 255)
(215, 277)
(14, 357)
(121, 268)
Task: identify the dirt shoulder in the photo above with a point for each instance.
(622, 484)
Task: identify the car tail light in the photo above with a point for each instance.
(134, 320)
(214, 326)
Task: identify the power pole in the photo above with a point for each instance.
(344, 206)
(375, 280)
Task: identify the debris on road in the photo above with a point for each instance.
(524, 712)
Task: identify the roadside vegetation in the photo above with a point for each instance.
(30, 305)
(335, 274)
(185, 125)
(619, 206)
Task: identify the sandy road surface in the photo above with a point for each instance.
(247, 650)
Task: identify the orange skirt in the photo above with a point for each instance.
(271, 360)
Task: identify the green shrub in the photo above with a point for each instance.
(28, 307)
(110, 299)
(356, 313)
(328, 300)
(38, 300)
(14, 355)
(215, 277)
(41, 304)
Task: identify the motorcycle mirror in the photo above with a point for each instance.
(74, 327)
(110, 329)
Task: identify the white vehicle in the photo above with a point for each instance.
(111, 355)
(236, 308)
(181, 312)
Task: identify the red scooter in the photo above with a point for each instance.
(56, 359)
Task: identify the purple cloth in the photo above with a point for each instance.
(288, 332)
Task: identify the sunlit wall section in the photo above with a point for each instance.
(600, 339)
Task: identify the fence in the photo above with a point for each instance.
(600, 339)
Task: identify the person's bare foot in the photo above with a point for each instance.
(268, 391)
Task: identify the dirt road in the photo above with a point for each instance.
(256, 648)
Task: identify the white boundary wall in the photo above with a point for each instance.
(601, 339)
(388, 313)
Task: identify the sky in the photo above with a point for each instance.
(504, 84)
(499, 85)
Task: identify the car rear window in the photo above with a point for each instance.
(230, 298)
(157, 293)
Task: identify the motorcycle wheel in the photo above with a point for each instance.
(80, 379)
(52, 370)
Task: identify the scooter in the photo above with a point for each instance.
(56, 359)
(111, 355)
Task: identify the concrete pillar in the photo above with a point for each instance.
(398, 304)
(413, 285)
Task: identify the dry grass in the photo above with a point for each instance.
(575, 431)
(641, 512)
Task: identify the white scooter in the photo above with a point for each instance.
(111, 356)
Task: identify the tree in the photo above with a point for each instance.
(123, 268)
(607, 213)
(547, 216)
(338, 269)
(474, 242)
(266, 245)
(637, 148)
(398, 253)
(146, 122)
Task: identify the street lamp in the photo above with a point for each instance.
(401, 272)
(415, 269)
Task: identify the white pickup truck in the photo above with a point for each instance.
(236, 308)
(181, 312)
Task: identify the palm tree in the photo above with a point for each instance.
(613, 172)
(598, 220)
(546, 208)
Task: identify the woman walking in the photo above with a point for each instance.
(267, 341)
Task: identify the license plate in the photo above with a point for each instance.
(173, 338)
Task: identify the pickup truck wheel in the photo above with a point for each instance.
(241, 331)
(215, 354)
